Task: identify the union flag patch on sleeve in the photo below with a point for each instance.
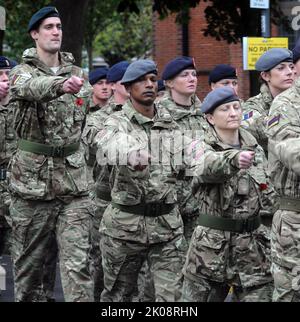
(247, 115)
(273, 121)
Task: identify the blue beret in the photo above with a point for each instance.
(117, 71)
(40, 15)
(175, 66)
(273, 57)
(161, 85)
(13, 63)
(217, 97)
(220, 72)
(97, 74)
(5, 63)
(138, 69)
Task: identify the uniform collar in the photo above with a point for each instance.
(248, 142)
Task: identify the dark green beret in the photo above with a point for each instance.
(40, 15)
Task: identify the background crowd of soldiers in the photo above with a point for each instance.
(140, 191)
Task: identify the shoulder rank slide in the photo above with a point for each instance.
(248, 115)
(274, 120)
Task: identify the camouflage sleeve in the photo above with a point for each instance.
(211, 166)
(253, 121)
(25, 86)
(283, 131)
(92, 126)
(266, 189)
(114, 142)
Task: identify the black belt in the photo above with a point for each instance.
(3, 174)
(228, 224)
(146, 209)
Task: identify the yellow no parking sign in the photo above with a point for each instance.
(254, 47)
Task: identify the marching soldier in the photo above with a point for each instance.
(48, 171)
(277, 74)
(142, 220)
(229, 247)
(100, 190)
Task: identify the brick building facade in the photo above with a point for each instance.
(207, 51)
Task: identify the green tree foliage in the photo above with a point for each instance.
(227, 20)
(18, 14)
(97, 18)
(126, 34)
(231, 20)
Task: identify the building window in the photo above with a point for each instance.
(289, 9)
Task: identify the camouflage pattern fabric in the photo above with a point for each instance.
(44, 115)
(122, 262)
(98, 178)
(48, 187)
(283, 131)
(192, 123)
(7, 147)
(128, 238)
(71, 223)
(49, 270)
(228, 258)
(255, 111)
(209, 291)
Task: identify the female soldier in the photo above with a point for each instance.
(229, 247)
(277, 75)
(180, 79)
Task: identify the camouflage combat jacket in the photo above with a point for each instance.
(223, 190)
(192, 123)
(7, 135)
(126, 131)
(283, 131)
(7, 148)
(94, 124)
(255, 111)
(44, 114)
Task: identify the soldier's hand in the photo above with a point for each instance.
(73, 85)
(245, 159)
(139, 159)
(4, 89)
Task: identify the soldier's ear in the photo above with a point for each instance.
(127, 87)
(266, 76)
(34, 34)
(169, 83)
(210, 119)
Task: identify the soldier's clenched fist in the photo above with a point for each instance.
(73, 85)
(245, 159)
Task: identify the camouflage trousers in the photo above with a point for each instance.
(204, 290)
(49, 273)
(5, 229)
(95, 258)
(122, 261)
(189, 225)
(33, 222)
(285, 245)
(145, 285)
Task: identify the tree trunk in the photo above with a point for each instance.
(89, 50)
(72, 14)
